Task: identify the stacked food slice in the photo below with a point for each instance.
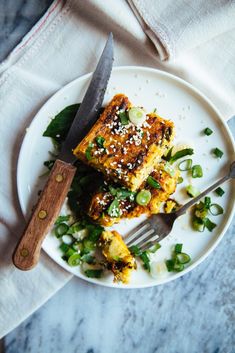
(127, 146)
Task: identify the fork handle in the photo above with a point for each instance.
(27, 252)
(231, 174)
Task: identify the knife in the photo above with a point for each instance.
(47, 209)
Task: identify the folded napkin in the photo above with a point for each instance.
(66, 44)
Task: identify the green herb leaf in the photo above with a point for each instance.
(100, 141)
(93, 273)
(124, 118)
(134, 249)
(94, 232)
(88, 151)
(60, 125)
(146, 261)
(178, 248)
(208, 224)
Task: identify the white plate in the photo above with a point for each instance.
(191, 112)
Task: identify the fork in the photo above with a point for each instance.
(158, 226)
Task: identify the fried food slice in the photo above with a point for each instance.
(124, 152)
(118, 257)
(99, 206)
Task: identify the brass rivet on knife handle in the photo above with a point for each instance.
(27, 252)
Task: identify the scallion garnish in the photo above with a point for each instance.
(62, 219)
(143, 197)
(216, 209)
(192, 191)
(74, 260)
(185, 165)
(178, 260)
(197, 171)
(169, 170)
(179, 154)
(178, 248)
(217, 152)
(180, 180)
(183, 258)
(153, 182)
(124, 118)
(154, 248)
(146, 261)
(208, 131)
(88, 151)
(100, 141)
(135, 250)
(219, 191)
(208, 224)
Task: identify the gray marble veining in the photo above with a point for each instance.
(192, 314)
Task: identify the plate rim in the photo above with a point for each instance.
(163, 74)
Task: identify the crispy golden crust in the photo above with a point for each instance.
(129, 153)
(119, 259)
(129, 209)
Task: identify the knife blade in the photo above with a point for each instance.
(27, 252)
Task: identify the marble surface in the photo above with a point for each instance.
(192, 314)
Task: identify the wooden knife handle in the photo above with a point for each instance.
(27, 252)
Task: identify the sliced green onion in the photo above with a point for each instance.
(180, 180)
(181, 154)
(62, 219)
(183, 258)
(88, 151)
(146, 261)
(197, 171)
(169, 170)
(135, 250)
(114, 209)
(208, 131)
(217, 152)
(100, 141)
(153, 182)
(137, 116)
(207, 202)
(64, 247)
(154, 248)
(93, 273)
(75, 227)
(198, 225)
(178, 248)
(61, 229)
(143, 197)
(216, 209)
(169, 154)
(170, 265)
(192, 191)
(208, 224)
(219, 191)
(186, 164)
(124, 118)
(67, 239)
(88, 244)
(74, 260)
(178, 267)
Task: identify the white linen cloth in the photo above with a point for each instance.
(65, 44)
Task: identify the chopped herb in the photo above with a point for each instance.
(135, 250)
(88, 258)
(124, 118)
(154, 248)
(88, 151)
(121, 193)
(180, 180)
(143, 197)
(208, 131)
(64, 247)
(185, 165)
(100, 141)
(153, 182)
(178, 260)
(93, 273)
(183, 258)
(94, 232)
(217, 152)
(197, 171)
(75, 227)
(219, 191)
(170, 265)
